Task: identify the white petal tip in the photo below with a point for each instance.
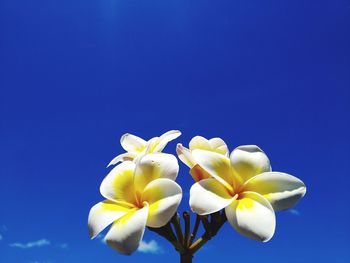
(176, 132)
(124, 135)
(266, 240)
(179, 148)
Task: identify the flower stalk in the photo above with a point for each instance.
(183, 241)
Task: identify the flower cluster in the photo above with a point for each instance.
(242, 183)
(141, 190)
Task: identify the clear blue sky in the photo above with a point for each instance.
(76, 75)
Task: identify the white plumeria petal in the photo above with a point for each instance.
(199, 142)
(209, 196)
(219, 146)
(127, 232)
(163, 196)
(252, 216)
(165, 138)
(282, 190)
(248, 161)
(103, 214)
(185, 155)
(118, 185)
(153, 166)
(150, 145)
(217, 165)
(132, 143)
(213, 145)
(122, 157)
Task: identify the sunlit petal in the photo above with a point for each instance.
(248, 161)
(199, 142)
(217, 165)
(150, 145)
(252, 216)
(103, 214)
(209, 196)
(219, 146)
(213, 145)
(165, 138)
(127, 232)
(282, 190)
(129, 156)
(118, 185)
(163, 196)
(153, 166)
(185, 155)
(132, 143)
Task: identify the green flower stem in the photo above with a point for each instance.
(176, 222)
(167, 232)
(195, 229)
(186, 216)
(199, 243)
(211, 229)
(183, 241)
(206, 225)
(186, 258)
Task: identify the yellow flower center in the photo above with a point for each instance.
(138, 200)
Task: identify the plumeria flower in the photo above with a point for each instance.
(136, 147)
(137, 195)
(198, 142)
(246, 187)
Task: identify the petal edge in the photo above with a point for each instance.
(252, 216)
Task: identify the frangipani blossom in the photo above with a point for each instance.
(136, 147)
(246, 187)
(137, 195)
(198, 142)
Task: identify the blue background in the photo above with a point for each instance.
(76, 75)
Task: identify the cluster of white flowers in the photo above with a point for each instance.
(242, 183)
(141, 190)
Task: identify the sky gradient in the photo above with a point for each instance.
(76, 75)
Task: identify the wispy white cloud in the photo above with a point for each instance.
(62, 245)
(150, 247)
(39, 243)
(294, 212)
